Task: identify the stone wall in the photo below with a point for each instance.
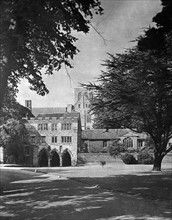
(59, 146)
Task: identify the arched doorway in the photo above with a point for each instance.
(55, 159)
(43, 159)
(66, 159)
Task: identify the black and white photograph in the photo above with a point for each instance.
(85, 109)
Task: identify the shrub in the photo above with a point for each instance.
(128, 159)
(84, 148)
(145, 157)
(81, 160)
(116, 149)
(102, 162)
(11, 159)
(104, 150)
(95, 147)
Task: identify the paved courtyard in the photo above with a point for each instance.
(92, 192)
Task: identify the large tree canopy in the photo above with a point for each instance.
(11, 108)
(136, 89)
(159, 37)
(136, 92)
(37, 34)
(13, 134)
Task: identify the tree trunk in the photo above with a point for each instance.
(157, 162)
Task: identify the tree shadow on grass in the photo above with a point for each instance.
(58, 198)
(156, 186)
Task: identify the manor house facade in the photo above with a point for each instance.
(57, 139)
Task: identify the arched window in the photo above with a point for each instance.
(79, 95)
(128, 142)
(86, 95)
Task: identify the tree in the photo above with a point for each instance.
(159, 37)
(39, 34)
(116, 148)
(13, 136)
(11, 109)
(136, 92)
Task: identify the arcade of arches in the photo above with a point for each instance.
(54, 159)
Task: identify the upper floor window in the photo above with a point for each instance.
(54, 139)
(66, 139)
(54, 127)
(79, 106)
(33, 139)
(86, 95)
(43, 139)
(66, 126)
(43, 126)
(88, 118)
(79, 95)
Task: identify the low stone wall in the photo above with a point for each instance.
(96, 157)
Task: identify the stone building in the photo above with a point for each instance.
(100, 139)
(59, 137)
(82, 105)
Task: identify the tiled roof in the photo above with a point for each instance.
(101, 134)
(37, 111)
(72, 114)
(50, 116)
(66, 115)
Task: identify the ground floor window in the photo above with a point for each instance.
(139, 143)
(128, 142)
(104, 144)
(66, 139)
(54, 139)
(26, 151)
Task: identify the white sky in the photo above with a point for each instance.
(122, 22)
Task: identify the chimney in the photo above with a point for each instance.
(69, 108)
(28, 104)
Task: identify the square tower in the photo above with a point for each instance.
(82, 105)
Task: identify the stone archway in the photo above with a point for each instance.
(55, 159)
(43, 158)
(66, 159)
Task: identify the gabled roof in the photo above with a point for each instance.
(102, 134)
(37, 111)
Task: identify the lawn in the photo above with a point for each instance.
(113, 192)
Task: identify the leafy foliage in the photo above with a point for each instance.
(136, 92)
(102, 162)
(81, 160)
(116, 149)
(12, 109)
(145, 157)
(94, 148)
(40, 34)
(128, 158)
(14, 136)
(159, 37)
